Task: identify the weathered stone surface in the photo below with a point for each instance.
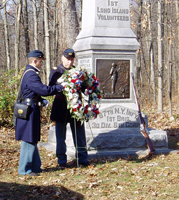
(106, 25)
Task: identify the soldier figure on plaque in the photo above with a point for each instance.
(113, 74)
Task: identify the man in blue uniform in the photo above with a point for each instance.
(29, 130)
(61, 115)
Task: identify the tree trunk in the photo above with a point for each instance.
(80, 14)
(26, 27)
(160, 66)
(151, 55)
(6, 37)
(69, 26)
(55, 36)
(17, 35)
(47, 40)
(177, 14)
(170, 75)
(138, 59)
(35, 24)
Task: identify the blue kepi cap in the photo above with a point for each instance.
(69, 53)
(36, 54)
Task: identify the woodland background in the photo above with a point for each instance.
(53, 25)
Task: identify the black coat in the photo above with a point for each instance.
(59, 111)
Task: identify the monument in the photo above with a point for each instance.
(107, 46)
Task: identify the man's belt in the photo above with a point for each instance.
(30, 101)
(60, 96)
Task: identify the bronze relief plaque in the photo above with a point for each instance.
(114, 79)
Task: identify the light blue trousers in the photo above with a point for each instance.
(29, 159)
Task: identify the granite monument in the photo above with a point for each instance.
(107, 46)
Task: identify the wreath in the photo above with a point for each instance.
(82, 92)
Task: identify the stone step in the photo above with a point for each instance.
(116, 139)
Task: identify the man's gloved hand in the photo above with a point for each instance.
(45, 103)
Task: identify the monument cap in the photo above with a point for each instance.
(36, 54)
(69, 53)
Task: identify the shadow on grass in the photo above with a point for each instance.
(25, 192)
(99, 161)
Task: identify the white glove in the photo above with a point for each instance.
(45, 103)
(60, 80)
(63, 84)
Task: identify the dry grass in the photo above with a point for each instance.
(121, 178)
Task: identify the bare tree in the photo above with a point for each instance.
(138, 58)
(26, 26)
(6, 37)
(160, 66)
(35, 24)
(17, 34)
(151, 54)
(69, 26)
(177, 20)
(47, 39)
(55, 35)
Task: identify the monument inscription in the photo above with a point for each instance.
(86, 63)
(112, 11)
(115, 117)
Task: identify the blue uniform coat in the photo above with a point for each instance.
(29, 130)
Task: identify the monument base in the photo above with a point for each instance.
(115, 132)
(105, 153)
(122, 143)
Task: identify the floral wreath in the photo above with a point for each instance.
(82, 92)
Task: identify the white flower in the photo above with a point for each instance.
(74, 101)
(67, 89)
(97, 105)
(75, 95)
(71, 84)
(70, 95)
(75, 106)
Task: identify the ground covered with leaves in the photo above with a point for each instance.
(156, 177)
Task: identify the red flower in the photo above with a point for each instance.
(82, 77)
(79, 106)
(73, 80)
(94, 77)
(96, 111)
(85, 111)
(74, 110)
(87, 106)
(73, 90)
(99, 96)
